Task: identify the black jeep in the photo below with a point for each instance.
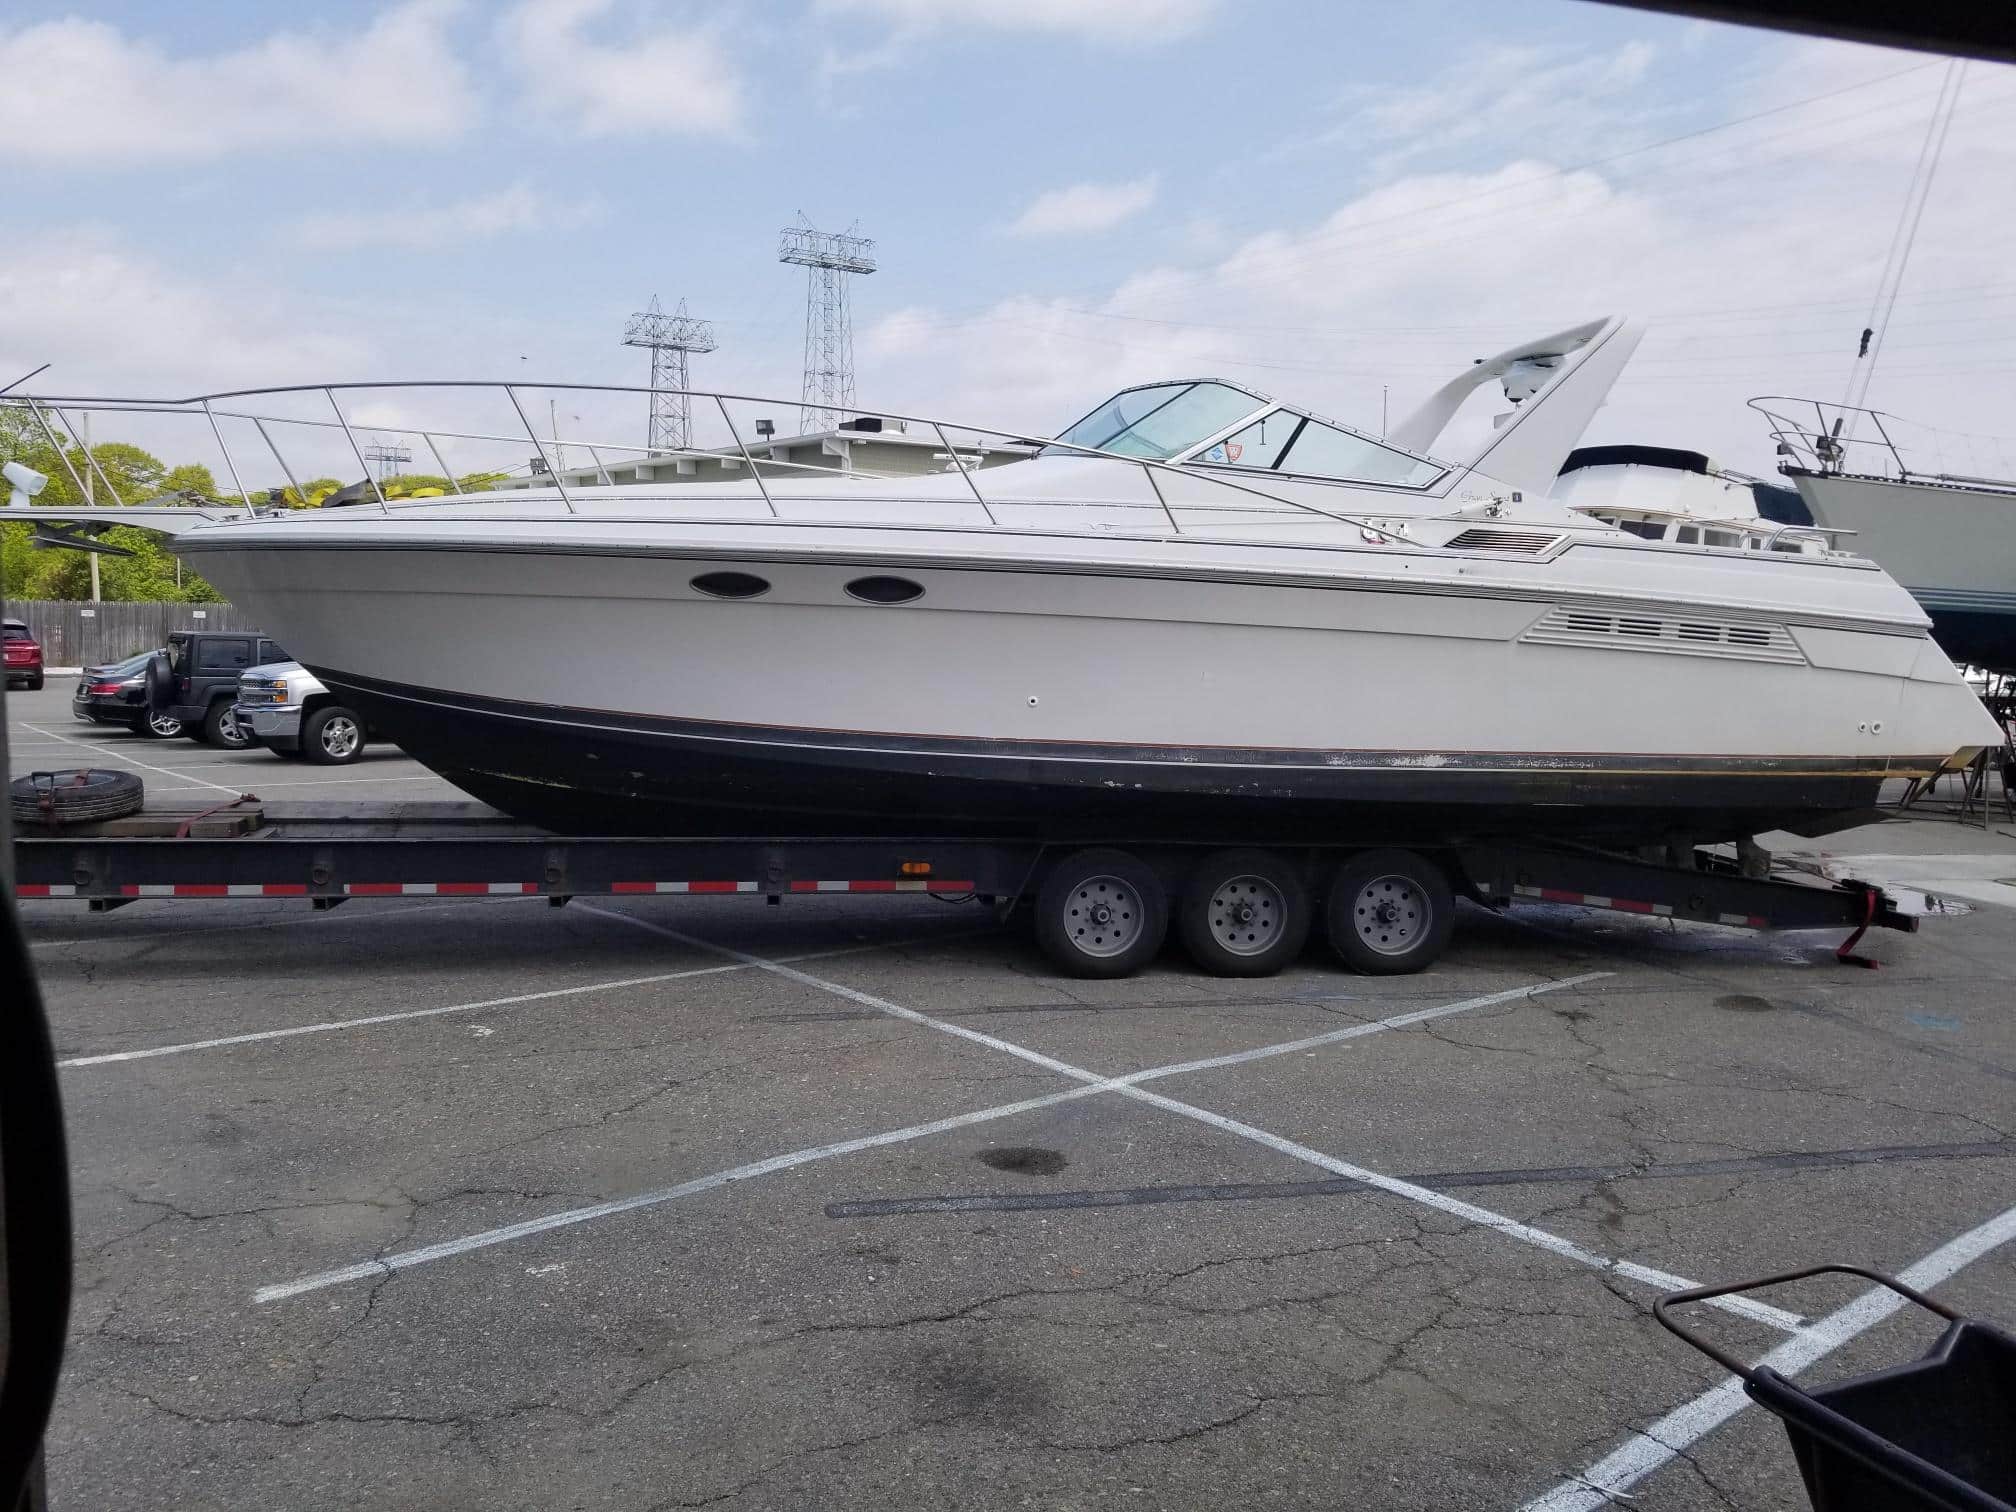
(202, 681)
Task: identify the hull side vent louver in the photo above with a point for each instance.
(1527, 542)
(1610, 630)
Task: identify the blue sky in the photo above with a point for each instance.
(1318, 198)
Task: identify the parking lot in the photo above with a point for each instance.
(854, 1203)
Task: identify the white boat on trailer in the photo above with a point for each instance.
(1199, 611)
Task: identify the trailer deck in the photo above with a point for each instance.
(328, 853)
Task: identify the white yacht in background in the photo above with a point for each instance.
(1198, 609)
(1663, 493)
(1949, 538)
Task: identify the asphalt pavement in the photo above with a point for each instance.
(854, 1203)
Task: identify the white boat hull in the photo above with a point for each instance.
(599, 689)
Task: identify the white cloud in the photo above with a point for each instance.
(1751, 254)
(1543, 98)
(1084, 208)
(1133, 23)
(79, 91)
(426, 228)
(679, 81)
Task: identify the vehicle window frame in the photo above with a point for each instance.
(207, 649)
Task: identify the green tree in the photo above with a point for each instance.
(190, 478)
(132, 474)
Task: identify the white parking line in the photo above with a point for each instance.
(1092, 1085)
(123, 934)
(1612, 1477)
(129, 760)
(406, 1259)
(1512, 1228)
(503, 1002)
(1498, 1222)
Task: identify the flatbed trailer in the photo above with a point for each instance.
(1101, 905)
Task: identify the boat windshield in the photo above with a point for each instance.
(1161, 421)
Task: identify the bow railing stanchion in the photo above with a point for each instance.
(299, 492)
(1895, 455)
(601, 471)
(230, 465)
(747, 460)
(952, 456)
(1156, 488)
(551, 471)
(57, 447)
(356, 450)
(90, 462)
(441, 461)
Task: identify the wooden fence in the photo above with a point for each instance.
(83, 635)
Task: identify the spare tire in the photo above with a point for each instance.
(160, 682)
(80, 796)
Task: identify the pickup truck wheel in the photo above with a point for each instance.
(332, 736)
(221, 728)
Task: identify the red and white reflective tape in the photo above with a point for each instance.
(477, 889)
(685, 887)
(1593, 900)
(437, 889)
(883, 885)
(1631, 905)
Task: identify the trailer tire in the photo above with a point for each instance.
(1244, 913)
(60, 798)
(1101, 913)
(1389, 912)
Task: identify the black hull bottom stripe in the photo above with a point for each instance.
(583, 772)
(887, 745)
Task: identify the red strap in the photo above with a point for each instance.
(182, 829)
(1845, 952)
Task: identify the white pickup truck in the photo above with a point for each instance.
(284, 707)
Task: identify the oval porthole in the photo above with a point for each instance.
(730, 585)
(885, 590)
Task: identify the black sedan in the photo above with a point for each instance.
(118, 695)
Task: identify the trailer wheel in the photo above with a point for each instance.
(1101, 913)
(1389, 912)
(1244, 913)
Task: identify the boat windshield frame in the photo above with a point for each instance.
(1105, 439)
(1196, 453)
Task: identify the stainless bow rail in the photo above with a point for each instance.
(243, 407)
(1829, 442)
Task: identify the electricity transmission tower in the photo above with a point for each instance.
(829, 258)
(390, 456)
(669, 338)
